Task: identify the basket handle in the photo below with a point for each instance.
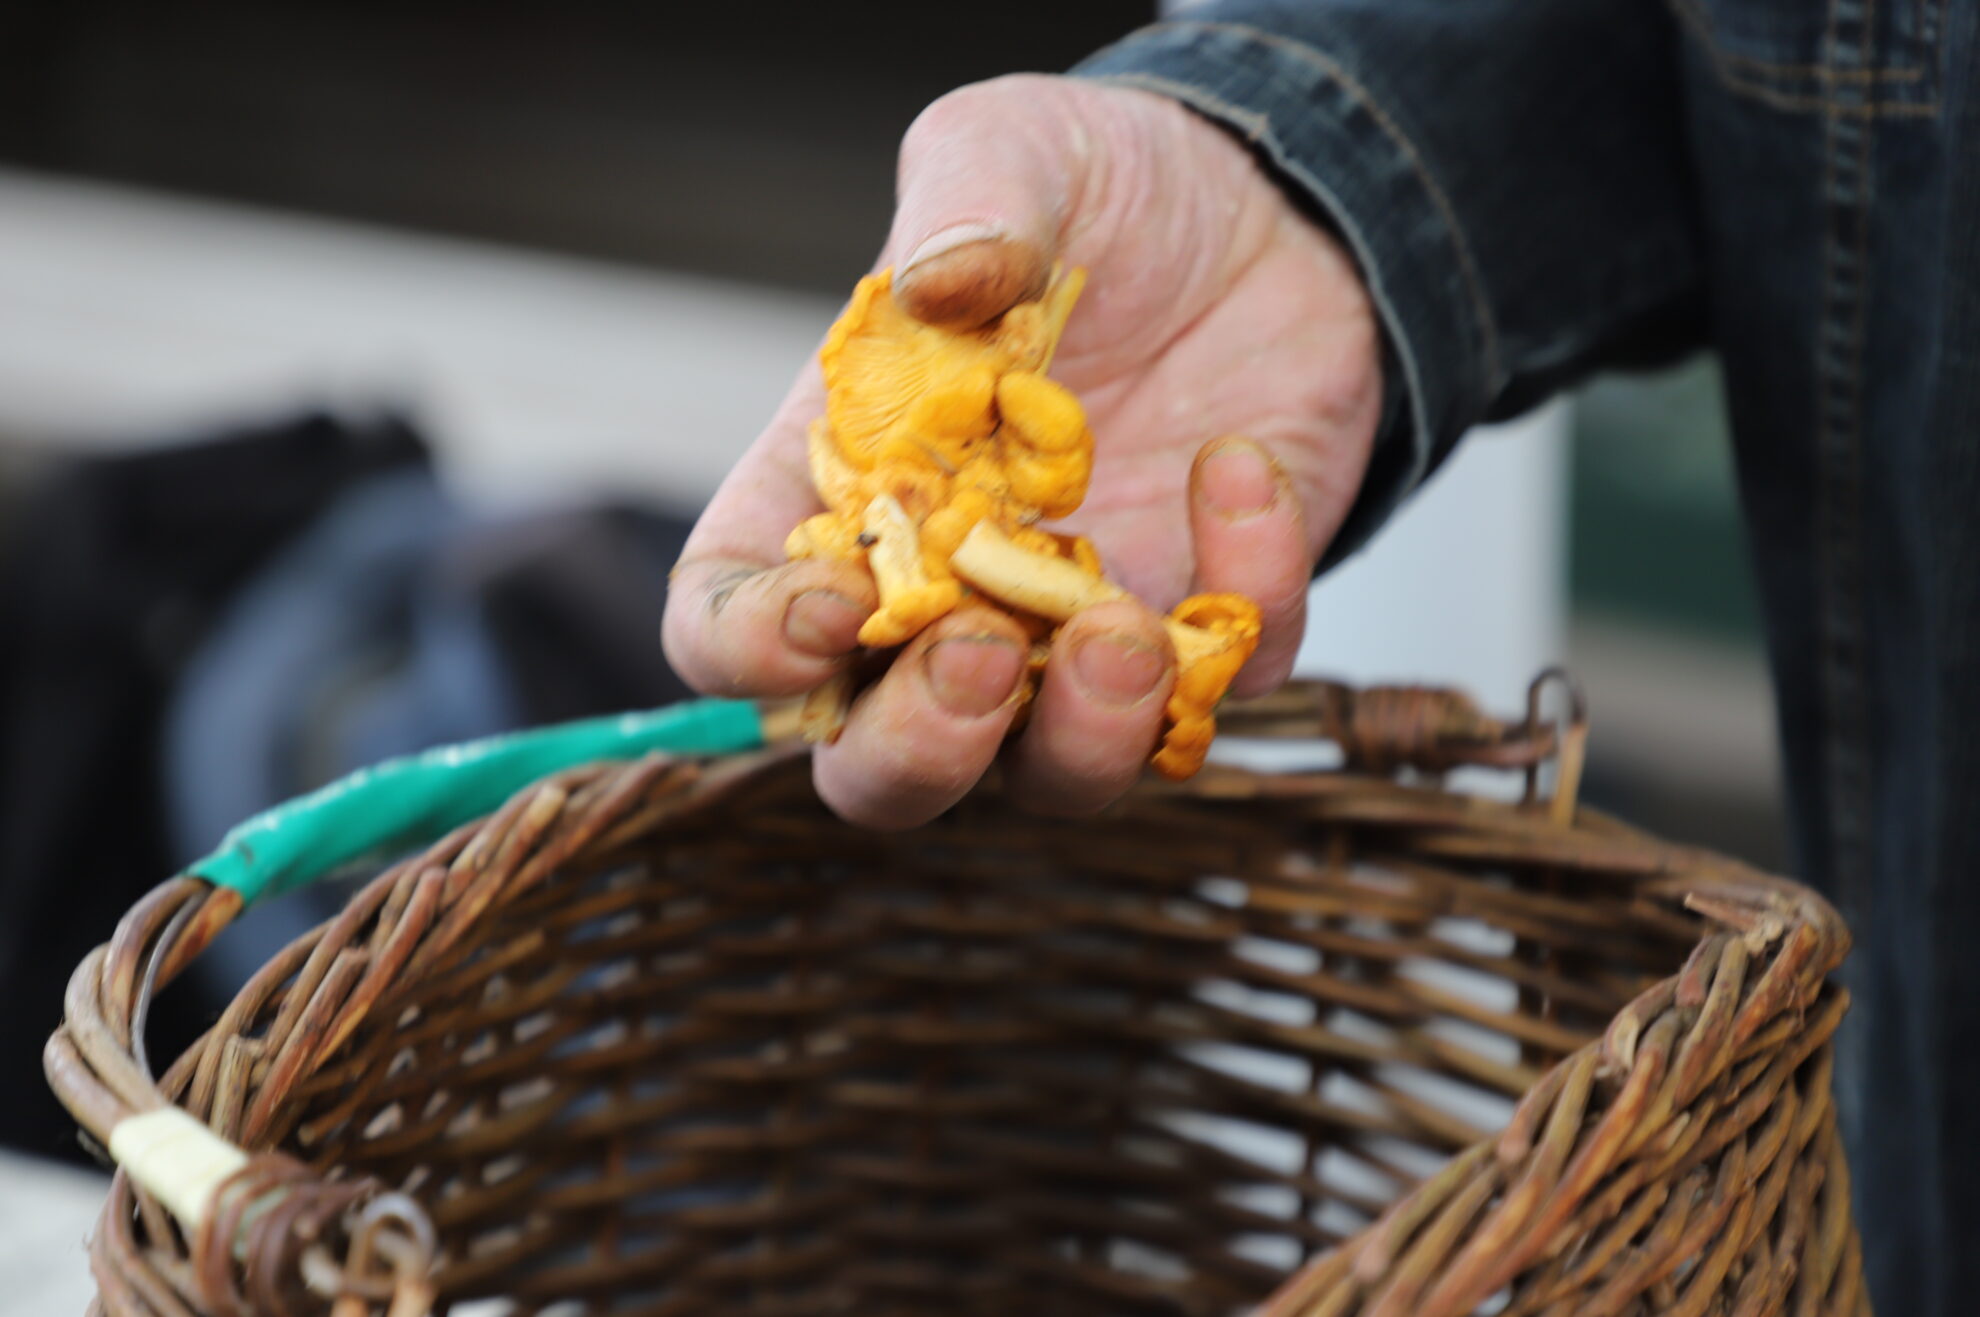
(414, 798)
(1431, 728)
(417, 797)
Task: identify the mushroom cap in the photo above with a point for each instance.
(1232, 615)
(898, 389)
(1214, 635)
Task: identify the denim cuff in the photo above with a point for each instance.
(1346, 159)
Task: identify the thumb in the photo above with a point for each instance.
(987, 176)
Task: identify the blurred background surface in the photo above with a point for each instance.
(360, 366)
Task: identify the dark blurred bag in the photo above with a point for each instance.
(111, 570)
(402, 620)
(191, 632)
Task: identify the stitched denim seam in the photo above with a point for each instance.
(1925, 77)
(1802, 104)
(1848, 187)
(1701, 23)
(1331, 70)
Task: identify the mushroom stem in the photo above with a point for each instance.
(783, 720)
(910, 596)
(1049, 587)
(1056, 588)
(823, 714)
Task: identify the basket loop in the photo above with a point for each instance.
(1383, 728)
(274, 1217)
(1432, 729)
(175, 1158)
(1571, 738)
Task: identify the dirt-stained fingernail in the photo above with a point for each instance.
(947, 240)
(973, 676)
(1118, 670)
(823, 623)
(967, 274)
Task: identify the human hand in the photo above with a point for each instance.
(1213, 309)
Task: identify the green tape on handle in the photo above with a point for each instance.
(418, 798)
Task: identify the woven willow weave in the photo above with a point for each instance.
(666, 1038)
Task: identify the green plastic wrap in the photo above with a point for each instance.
(413, 800)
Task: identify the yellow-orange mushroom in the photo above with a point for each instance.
(939, 453)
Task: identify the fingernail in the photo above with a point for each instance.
(973, 675)
(823, 623)
(1118, 670)
(1238, 480)
(947, 240)
(723, 588)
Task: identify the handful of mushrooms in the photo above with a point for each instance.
(939, 453)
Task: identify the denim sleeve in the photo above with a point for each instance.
(1510, 174)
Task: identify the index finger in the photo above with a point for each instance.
(739, 620)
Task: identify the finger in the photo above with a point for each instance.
(769, 491)
(1250, 539)
(983, 186)
(736, 622)
(922, 736)
(740, 629)
(1098, 713)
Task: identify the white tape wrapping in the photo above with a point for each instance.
(176, 1159)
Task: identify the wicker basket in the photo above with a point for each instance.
(664, 1037)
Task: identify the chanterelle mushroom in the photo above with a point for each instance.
(938, 454)
(928, 431)
(1213, 634)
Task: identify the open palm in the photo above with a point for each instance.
(1227, 357)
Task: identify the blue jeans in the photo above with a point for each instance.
(1540, 189)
